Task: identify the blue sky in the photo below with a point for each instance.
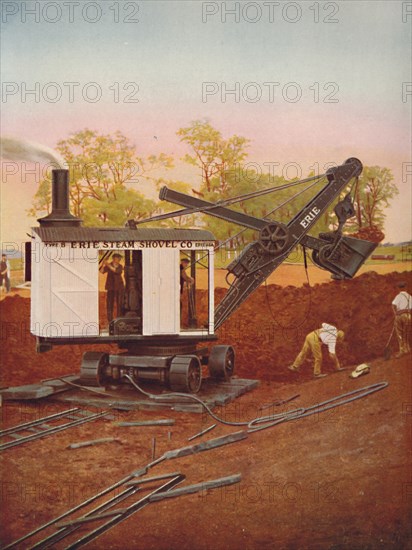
(171, 52)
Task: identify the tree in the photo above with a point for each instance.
(163, 207)
(42, 200)
(129, 204)
(101, 168)
(373, 194)
(214, 155)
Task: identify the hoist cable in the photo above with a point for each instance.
(230, 201)
(269, 421)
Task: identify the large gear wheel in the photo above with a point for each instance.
(274, 238)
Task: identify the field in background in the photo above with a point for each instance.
(401, 253)
(290, 272)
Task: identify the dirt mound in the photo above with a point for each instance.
(20, 363)
(267, 331)
(373, 234)
(339, 479)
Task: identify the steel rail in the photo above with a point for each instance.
(78, 507)
(126, 513)
(101, 512)
(26, 425)
(50, 431)
(65, 530)
(71, 511)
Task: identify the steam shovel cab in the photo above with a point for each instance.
(157, 324)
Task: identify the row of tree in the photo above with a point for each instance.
(105, 172)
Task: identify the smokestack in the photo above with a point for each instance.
(60, 215)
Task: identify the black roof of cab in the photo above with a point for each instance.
(113, 234)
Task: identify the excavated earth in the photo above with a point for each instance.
(335, 480)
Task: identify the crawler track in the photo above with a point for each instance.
(30, 431)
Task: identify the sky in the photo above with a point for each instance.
(307, 82)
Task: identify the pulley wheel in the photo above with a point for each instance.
(325, 253)
(315, 258)
(185, 374)
(274, 238)
(222, 362)
(92, 368)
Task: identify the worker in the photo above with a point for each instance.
(5, 273)
(402, 306)
(114, 285)
(184, 277)
(327, 335)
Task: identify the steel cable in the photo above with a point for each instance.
(273, 420)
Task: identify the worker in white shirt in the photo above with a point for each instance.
(402, 306)
(327, 335)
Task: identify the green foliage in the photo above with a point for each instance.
(214, 155)
(180, 222)
(374, 192)
(125, 204)
(42, 200)
(104, 171)
(101, 169)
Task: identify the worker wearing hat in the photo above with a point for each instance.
(402, 306)
(114, 285)
(327, 335)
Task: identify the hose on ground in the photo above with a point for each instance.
(264, 422)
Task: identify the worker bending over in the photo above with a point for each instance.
(327, 335)
(402, 306)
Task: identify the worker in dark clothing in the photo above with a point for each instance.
(114, 285)
(184, 277)
(5, 273)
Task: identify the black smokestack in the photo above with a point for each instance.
(60, 215)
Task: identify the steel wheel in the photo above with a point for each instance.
(274, 238)
(92, 368)
(315, 258)
(222, 362)
(185, 374)
(325, 253)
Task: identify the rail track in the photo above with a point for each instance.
(48, 425)
(83, 523)
(74, 531)
(78, 531)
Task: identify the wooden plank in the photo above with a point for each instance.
(213, 393)
(189, 408)
(162, 422)
(31, 391)
(138, 482)
(206, 445)
(93, 442)
(196, 488)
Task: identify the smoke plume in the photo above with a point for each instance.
(19, 149)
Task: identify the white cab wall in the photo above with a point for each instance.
(161, 291)
(64, 291)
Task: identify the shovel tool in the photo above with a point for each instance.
(387, 352)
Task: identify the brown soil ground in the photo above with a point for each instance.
(295, 275)
(285, 274)
(336, 480)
